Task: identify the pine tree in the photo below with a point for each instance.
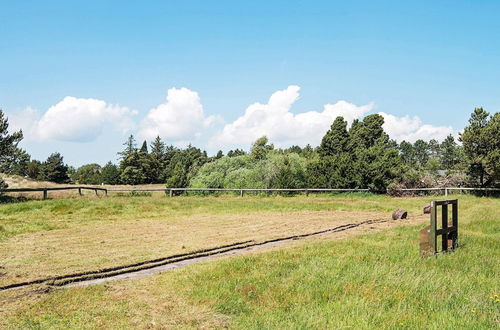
(130, 147)
(54, 169)
(449, 153)
(481, 143)
(110, 174)
(421, 150)
(12, 159)
(144, 147)
(335, 140)
(157, 161)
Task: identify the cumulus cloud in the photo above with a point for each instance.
(73, 119)
(281, 126)
(411, 129)
(180, 118)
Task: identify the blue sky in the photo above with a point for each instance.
(79, 76)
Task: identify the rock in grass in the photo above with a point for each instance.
(399, 214)
(427, 208)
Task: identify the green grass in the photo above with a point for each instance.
(37, 215)
(370, 281)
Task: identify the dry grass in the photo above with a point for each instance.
(100, 244)
(16, 181)
(362, 281)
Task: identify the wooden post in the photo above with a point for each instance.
(444, 226)
(454, 220)
(106, 192)
(446, 191)
(432, 232)
(96, 192)
(241, 193)
(307, 192)
(170, 193)
(45, 194)
(79, 191)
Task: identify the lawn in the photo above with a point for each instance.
(362, 281)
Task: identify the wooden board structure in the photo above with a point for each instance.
(440, 226)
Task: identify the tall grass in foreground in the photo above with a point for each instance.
(370, 281)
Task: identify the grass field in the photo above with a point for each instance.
(360, 281)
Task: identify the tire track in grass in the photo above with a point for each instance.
(150, 267)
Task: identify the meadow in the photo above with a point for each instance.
(373, 277)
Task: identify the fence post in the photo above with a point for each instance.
(446, 191)
(170, 192)
(45, 194)
(307, 192)
(241, 193)
(106, 192)
(80, 191)
(96, 192)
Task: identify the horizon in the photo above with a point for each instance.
(82, 77)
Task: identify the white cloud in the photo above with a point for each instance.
(180, 118)
(25, 120)
(73, 119)
(411, 129)
(281, 126)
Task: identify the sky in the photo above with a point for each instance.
(78, 77)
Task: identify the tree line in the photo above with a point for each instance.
(359, 156)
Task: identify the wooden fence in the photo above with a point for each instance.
(45, 191)
(171, 191)
(446, 190)
(241, 191)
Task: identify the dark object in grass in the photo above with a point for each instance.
(427, 208)
(430, 242)
(399, 214)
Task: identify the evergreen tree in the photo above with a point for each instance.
(87, 174)
(434, 148)
(132, 169)
(449, 153)
(407, 153)
(130, 147)
(144, 147)
(54, 169)
(335, 140)
(33, 169)
(16, 162)
(157, 161)
(481, 143)
(366, 133)
(421, 150)
(363, 157)
(110, 174)
(183, 165)
(12, 159)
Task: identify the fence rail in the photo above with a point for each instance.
(171, 191)
(445, 190)
(46, 190)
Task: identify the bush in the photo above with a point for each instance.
(135, 193)
(274, 171)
